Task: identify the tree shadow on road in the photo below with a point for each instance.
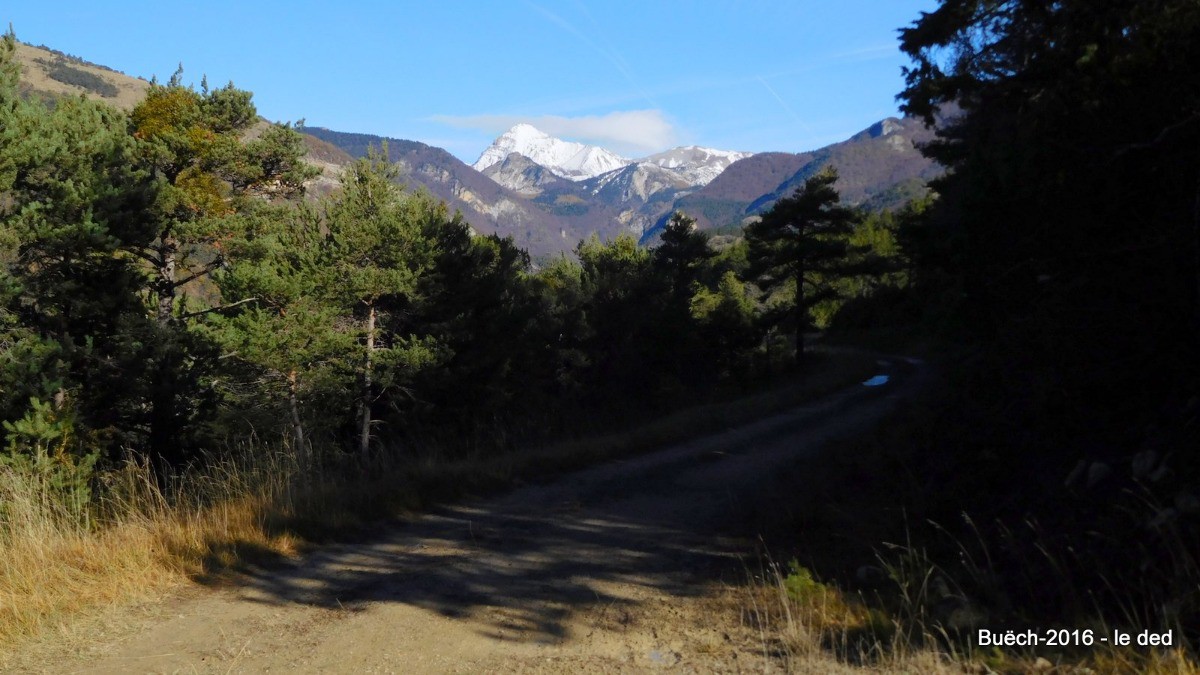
(521, 565)
(514, 573)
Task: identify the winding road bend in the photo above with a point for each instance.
(621, 567)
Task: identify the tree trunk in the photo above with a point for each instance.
(364, 439)
(297, 426)
(164, 420)
(166, 449)
(1196, 259)
(801, 317)
(165, 288)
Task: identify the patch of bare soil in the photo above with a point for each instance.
(628, 566)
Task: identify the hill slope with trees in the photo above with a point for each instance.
(175, 304)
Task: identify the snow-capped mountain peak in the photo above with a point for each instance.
(696, 165)
(574, 161)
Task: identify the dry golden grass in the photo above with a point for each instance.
(806, 625)
(138, 540)
(132, 546)
(35, 73)
(818, 632)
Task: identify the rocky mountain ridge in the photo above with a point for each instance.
(879, 167)
(696, 165)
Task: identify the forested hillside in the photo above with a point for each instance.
(167, 291)
(491, 208)
(182, 302)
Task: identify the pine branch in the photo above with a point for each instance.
(207, 269)
(222, 308)
(139, 253)
(1164, 135)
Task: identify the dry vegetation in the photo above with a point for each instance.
(37, 65)
(138, 539)
(857, 592)
(806, 625)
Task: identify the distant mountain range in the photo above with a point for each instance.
(578, 162)
(878, 168)
(549, 193)
(488, 206)
(696, 165)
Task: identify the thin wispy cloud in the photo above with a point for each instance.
(702, 84)
(610, 55)
(628, 132)
(625, 98)
(879, 52)
(873, 53)
(783, 103)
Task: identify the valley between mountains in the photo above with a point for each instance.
(281, 397)
(548, 194)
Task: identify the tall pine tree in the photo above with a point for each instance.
(803, 240)
(213, 163)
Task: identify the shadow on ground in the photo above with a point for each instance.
(517, 567)
(529, 569)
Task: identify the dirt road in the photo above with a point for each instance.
(623, 567)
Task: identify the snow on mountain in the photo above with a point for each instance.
(696, 165)
(693, 164)
(518, 172)
(635, 183)
(574, 161)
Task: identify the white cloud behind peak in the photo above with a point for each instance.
(627, 132)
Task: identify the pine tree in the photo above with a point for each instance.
(682, 253)
(280, 319)
(561, 322)
(378, 254)
(803, 240)
(208, 179)
(727, 324)
(208, 175)
(71, 195)
(478, 304)
(680, 260)
(619, 286)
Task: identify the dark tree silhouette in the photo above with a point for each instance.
(803, 240)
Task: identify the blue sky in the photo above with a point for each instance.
(636, 77)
